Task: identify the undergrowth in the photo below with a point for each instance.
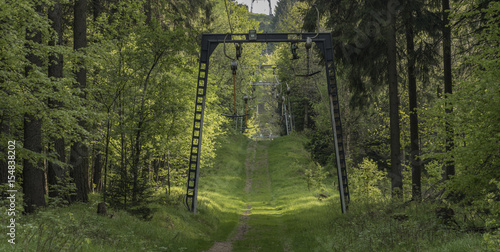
(78, 227)
(294, 208)
(297, 217)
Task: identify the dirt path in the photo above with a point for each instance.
(243, 227)
(260, 226)
(266, 225)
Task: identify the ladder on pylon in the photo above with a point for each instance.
(337, 135)
(194, 156)
(288, 123)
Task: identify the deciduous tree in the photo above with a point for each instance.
(33, 174)
(79, 155)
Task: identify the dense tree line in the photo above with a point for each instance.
(419, 96)
(98, 94)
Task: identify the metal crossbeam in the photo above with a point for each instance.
(209, 43)
(264, 84)
(258, 67)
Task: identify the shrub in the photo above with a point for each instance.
(366, 181)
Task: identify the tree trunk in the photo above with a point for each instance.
(4, 131)
(56, 60)
(136, 159)
(97, 171)
(136, 188)
(306, 113)
(123, 151)
(79, 158)
(449, 167)
(396, 177)
(415, 163)
(80, 162)
(55, 172)
(96, 9)
(156, 169)
(33, 174)
(106, 151)
(147, 10)
(168, 171)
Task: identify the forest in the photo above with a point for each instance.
(97, 135)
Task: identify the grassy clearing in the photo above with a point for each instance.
(285, 214)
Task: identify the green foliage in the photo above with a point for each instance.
(320, 146)
(289, 16)
(492, 202)
(20, 94)
(170, 227)
(432, 180)
(51, 233)
(393, 227)
(141, 81)
(475, 116)
(64, 189)
(149, 67)
(315, 175)
(284, 214)
(5, 203)
(366, 182)
(141, 84)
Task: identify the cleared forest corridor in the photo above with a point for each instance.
(100, 149)
(265, 217)
(262, 193)
(280, 212)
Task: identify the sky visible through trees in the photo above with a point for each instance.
(259, 6)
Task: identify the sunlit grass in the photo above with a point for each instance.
(172, 227)
(284, 214)
(287, 216)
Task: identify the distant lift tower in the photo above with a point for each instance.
(270, 9)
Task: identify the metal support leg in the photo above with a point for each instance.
(337, 137)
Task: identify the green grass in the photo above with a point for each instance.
(284, 214)
(287, 216)
(78, 227)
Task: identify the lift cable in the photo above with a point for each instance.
(317, 27)
(227, 56)
(234, 89)
(230, 32)
(234, 64)
(308, 49)
(228, 18)
(308, 58)
(234, 67)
